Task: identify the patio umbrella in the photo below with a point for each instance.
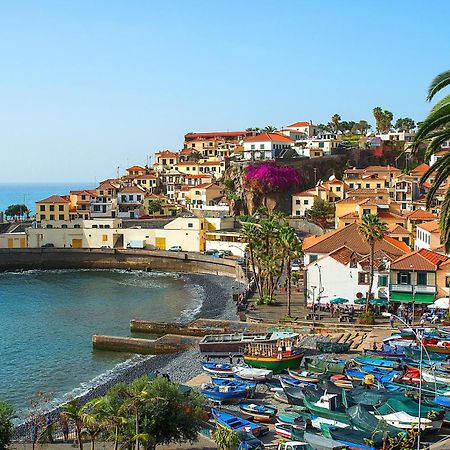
(379, 301)
(440, 303)
(360, 301)
(338, 301)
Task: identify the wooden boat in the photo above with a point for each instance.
(281, 397)
(259, 412)
(333, 347)
(236, 384)
(414, 353)
(304, 375)
(287, 382)
(226, 420)
(326, 407)
(319, 442)
(381, 363)
(341, 381)
(294, 415)
(224, 344)
(437, 346)
(435, 377)
(225, 394)
(405, 421)
(252, 374)
(320, 364)
(275, 363)
(286, 430)
(223, 370)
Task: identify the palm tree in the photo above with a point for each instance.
(225, 438)
(269, 129)
(75, 413)
(373, 231)
(335, 120)
(435, 130)
(378, 116)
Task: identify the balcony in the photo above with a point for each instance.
(419, 289)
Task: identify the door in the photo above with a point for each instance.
(10, 243)
(77, 243)
(160, 243)
(23, 243)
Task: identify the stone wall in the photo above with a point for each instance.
(55, 258)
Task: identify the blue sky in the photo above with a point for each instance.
(87, 86)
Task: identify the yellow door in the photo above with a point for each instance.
(10, 243)
(202, 240)
(23, 243)
(160, 243)
(77, 243)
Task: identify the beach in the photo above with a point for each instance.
(181, 367)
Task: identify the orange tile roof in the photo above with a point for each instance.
(308, 193)
(421, 214)
(55, 199)
(132, 189)
(136, 168)
(421, 168)
(389, 215)
(210, 163)
(350, 215)
(420, 260)
(299, 124)
(187, 163)
(205, 186)
(342, 255)
(146, 176)
(397, 229)
(431, 226)
(399, 244)
(264, 137)
(166, 153)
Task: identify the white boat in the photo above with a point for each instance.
(250, 373)
(405, 421)
(431, 377)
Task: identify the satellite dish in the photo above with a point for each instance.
(332, 178)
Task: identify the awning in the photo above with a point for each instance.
(407, 297)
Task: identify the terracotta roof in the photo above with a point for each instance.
(351, 238)
(422, 168)
(397, 229)
(381, 169)
(390, 215)
(85, 191)
(146, 176)
(107, 185)
(350, 215)
(431, 226)
(136, 168)
(299, 124)
(420, 260)
(421, 214)
(308, 193)
(187, 151)
(264, 137)
(55, 199)
(187, 163)
(205, 186)
(210, 163)
(335, 181)
(165, 153)
(132, 189)
(399, 244)
(342, 255)
(363, 191)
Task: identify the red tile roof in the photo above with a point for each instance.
(308, 193)
(432, 226)
(187, 163)
(299, 124)
(136, 168)
(389, 215)
(342, 255)
(421, 214)
(264, 137)
(420, 260)
(146, 176)
(166, 153)
(205, 186)
(397, 229)
(399, 244)
(55, 199)
(132, 190)
(421, 168)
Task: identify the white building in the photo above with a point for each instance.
(266, 146)
(306, 128)
(428, 236)
(129, 202)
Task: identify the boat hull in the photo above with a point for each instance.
(274, 364)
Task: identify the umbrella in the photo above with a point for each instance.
(338, 301)
(360, 301)
(379, 301)
(440, 303)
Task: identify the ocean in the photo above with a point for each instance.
(30, 193)
(47, 319)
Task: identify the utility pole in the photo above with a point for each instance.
(315, 176)
(313, 301)
(413, 290)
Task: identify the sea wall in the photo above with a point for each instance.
(56, 258)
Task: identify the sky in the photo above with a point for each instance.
(90, 86)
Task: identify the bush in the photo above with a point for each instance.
(367, 318)
(6, 427)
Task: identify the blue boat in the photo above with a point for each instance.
(226, 420)
(259, 412)
(236, 384)
(376, 362)
(225, 394)
(290, 382)
(221, 370)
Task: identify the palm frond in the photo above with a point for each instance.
(442, 169)
(439, 82)
(439, 138)
(439, 117)
(444, 222)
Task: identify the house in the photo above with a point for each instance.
(308, 151)
(149, 181)
(336, 189)
(214, 144)
(104, 203)
(157, 205)
(166, 160)
(418, 172)
(55, 207)
(406, 191)
(428, 235)
(129, 202)
(396, 136)
(303, 201)
(417, 217)
(136, 170)
(413, 277)
(80, 203)
(340, 258)
(266, 146)
(384, 175)
(212, 168)
(207, 196)
(307, 129)
(188, 167)
(399, 232)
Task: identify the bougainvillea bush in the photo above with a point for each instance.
(268, 177)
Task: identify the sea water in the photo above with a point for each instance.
(47, 319)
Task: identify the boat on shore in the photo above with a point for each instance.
(252, 374)
(224, 344)
(321, 364)
(304, 375)
(225, 394)
(226, 420)
(221, 370)
(259, 412)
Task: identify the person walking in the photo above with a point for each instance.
(392, 320)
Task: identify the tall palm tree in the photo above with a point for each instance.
(269, 129)
(335, 120)
(373, 231)
(74, 413)
(435, 130)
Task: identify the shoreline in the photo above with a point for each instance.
(217, 302)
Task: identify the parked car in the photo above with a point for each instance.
(105, 247)
(175, 248)
(48, 245)
(211, 252)
(226, 253)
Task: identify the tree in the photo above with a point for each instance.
(435, 131)
(335, 120)
(6, 426)
(226, 438)
(195, 156)
(361, 127)
(154, 206)
(373, 231)
(404, 124)
(383, 119)
(269, 129)
(16, 211)
(321, 212)
(74, 413)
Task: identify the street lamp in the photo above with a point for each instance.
(313, 301)
(419, 338)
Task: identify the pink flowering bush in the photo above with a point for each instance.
(268, 177)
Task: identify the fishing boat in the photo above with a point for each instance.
(381, 363)
(286, 430)
(259, 412)
(437, 346)
(435, 377)
(341, 381)
(355, 439)
(320, 364)
(414, 353)
(223, 370)
(327, 407)
(318, 442)
(276, 357)
(236, 384)
(224, 344)
(252, 374)
(304, 375)
(226, 420)
(333, 347)
(225, 394)
(287, 382)
(281, 397)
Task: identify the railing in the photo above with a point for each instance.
(401, 287)
(418, 289)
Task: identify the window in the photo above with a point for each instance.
(96, 207)
(42, 217)
(366, 212)
(305, 202)
(42, 208)
(351, 185)
(49, 226)
(367, 186)
(382, 280)
(138, 197)
(197, 192)
(61, 207)
(104, 237)
(94, 226)
(252, 146)
(378, 185)
(353, 262)
(171, 161)
(297, 213)
(261, 146)
(338, 189)
(63, 225)
(312, 258)
(421, 278)
(52, 217)
(404, 278)
(52, 207)
(363, 278)
(77, 225)
(123, 198)
(61, 217)
(447, 281)
(190, 225)
(83, 197)
(297, 202)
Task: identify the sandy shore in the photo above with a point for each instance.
(217, 303)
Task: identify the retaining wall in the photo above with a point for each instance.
(56, 258)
